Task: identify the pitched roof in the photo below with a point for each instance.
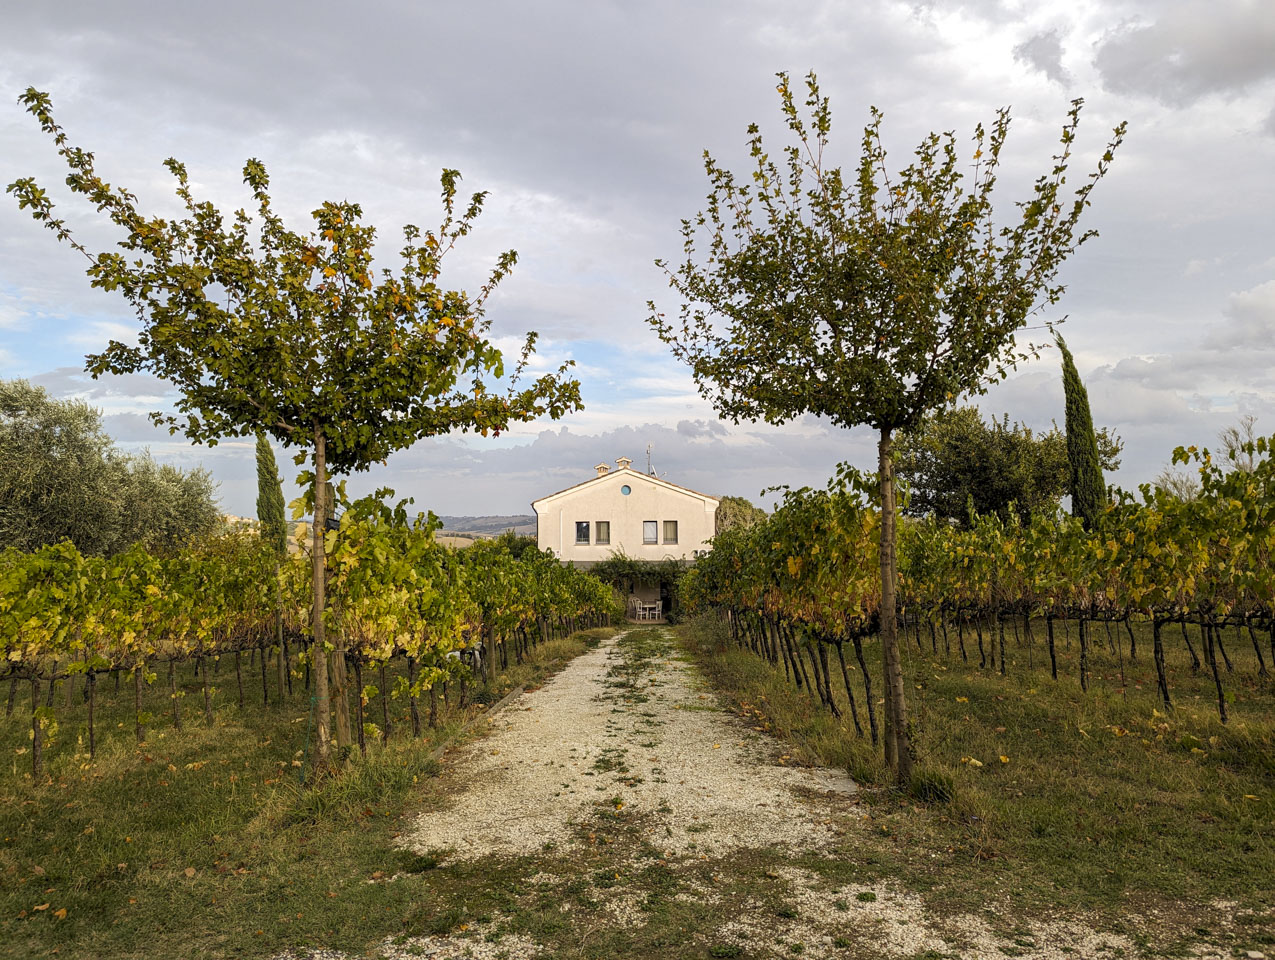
(620, 473)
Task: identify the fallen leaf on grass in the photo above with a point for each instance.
(189, 871)
(42, 906)
(60, 913)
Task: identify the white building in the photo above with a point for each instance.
(624, 511)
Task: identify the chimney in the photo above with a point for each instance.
(622, 463)
(603, 469)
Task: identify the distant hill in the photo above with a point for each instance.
(489, 526)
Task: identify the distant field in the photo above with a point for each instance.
(489, 526)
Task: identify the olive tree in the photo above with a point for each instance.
(298, 334)
(870, 296)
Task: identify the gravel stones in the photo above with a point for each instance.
(629, 732)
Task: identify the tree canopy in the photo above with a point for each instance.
(62, 478)
(270, 507)
(954, 461)
(735, 512)
(869, 297)
(300, 335)
(1086, 485)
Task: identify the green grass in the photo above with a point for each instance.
(205, 843)
(1103, 802)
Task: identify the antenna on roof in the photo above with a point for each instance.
(648, 460)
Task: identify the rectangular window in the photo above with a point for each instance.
(670, 531)
(604, 531)
(650, 531)
(582, 531)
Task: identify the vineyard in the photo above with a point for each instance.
(805, 582)
(447, 618)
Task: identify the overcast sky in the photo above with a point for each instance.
(587, 122)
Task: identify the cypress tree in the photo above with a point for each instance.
(1088, 489)
(274, 529)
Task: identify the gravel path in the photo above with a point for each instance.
(641, 736)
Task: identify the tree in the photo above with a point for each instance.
(274, 527)
(735, 512)
(1237, 444)
(953, 459)
(1088, 489)
(1178, 484)
(267, 330)
(164, 508)
(871, 298)
(59, 472)
(62, 478)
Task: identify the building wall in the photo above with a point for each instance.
(601, 499)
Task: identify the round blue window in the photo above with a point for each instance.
(626, 489)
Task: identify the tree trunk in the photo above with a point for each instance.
(1084, 654)
(1000, 620)
(1210, 653)
(239, 676)
(341, 695)
(358, 705)
(92, 698)
(13, 693)
(1133, 642)
(385, 706)
(172, 693)
(1217, 639)
(282, 662)
(318, 651)
(139, 678)
(867, 690)
(1157, 651)
(411, 698)
(53, 672)
(203, 673)
(37, 734)
(845, 678)
(1261, 661)
(801, 662)
(827, 679)
(1195, 658)
(1053, 654)
(265, 693)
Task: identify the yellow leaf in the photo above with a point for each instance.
(60, 913)
(1004, 759)
(41, 906)
(962, 699)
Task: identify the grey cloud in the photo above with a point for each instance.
(74, 382)
(1043, 51)
(1191, 50)
(695, 429)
